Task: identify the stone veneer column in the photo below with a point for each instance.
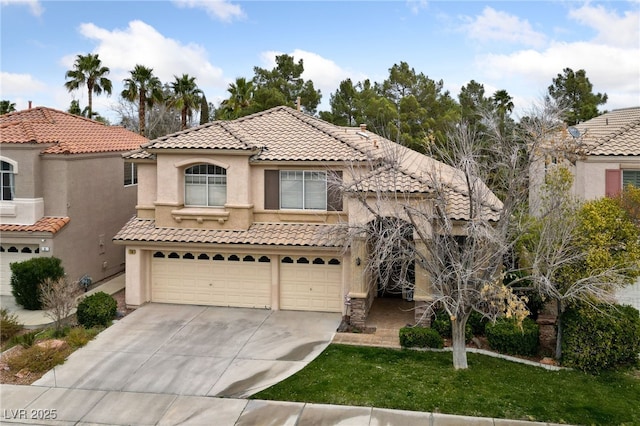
(358, 285)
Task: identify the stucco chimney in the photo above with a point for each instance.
(363, 127)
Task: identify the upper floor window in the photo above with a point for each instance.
(8, 187)
(130, 173)
(304, 190)
(205, 185)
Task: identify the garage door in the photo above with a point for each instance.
(311, 284)
(10, 253)
(214, 279)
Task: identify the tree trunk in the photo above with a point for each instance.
(559, 331)
(459, 344)
(142, 113)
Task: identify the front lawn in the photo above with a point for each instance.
(491, 387)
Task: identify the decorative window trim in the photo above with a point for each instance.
(7, 179)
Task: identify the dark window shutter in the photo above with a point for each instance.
(613, 180)
(334, 191)
(272, 190)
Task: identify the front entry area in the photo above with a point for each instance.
(301, 283)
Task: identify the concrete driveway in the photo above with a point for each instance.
(196, 350)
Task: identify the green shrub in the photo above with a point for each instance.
(37, 359)
(504, 335)
(420, 337)
(477, 322)
(97, 309)
(78, 337)
(601, 338)
(9, 325)
(27, 276)
(442, 324)
(26, 340)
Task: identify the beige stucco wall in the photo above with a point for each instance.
(90, 190)
(589, 181)
(28, 205)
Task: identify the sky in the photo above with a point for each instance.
(518, 46)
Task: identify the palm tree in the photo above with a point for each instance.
(7, 107)
(144, 87)
(241, 97)
(88, 71)
(186, 96)
(503, 103)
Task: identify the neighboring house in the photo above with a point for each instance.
(66, 191)
(607, 159)
(247, 213)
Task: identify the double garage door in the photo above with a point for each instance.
(220, 279)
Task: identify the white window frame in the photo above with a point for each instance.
(211, 178)
(297, 190)
(8, 174)
(133, 167)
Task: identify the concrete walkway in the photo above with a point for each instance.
(37, 405)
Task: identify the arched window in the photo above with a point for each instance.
(8, 186)
(205, 185)
(188, 256)
(203, 256)
(287, 260)
(248, 258)
(233, 258)
(318, 261)
(158, 254)
(264, 259)
(174, 255)
(302, 260)
(334, 262)
(218, 257)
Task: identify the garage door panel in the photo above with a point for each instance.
(306, 286)
(204, 281)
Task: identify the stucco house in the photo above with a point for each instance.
(248, 213)
(607, 159)
(66, 191)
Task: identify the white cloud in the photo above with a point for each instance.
(415, 6)
(140, 43)
(611, 28)
(35, 7)
(325, 73)
(12, 85)
(610, 69)
(493, 25)
(218, 9)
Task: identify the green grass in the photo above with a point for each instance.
(491, 387)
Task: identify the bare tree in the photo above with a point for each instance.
(440, 220)
(58, 300)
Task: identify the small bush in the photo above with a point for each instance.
(26, 340)
(601, 338)
(27, 277)
(504, 335)
(37, 359)
(442, 324)
(477, 322)
(9, 325)
(420, 337)
(97, 309)
(78, 337)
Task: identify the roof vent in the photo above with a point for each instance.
(363, 127)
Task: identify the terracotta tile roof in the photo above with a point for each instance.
(46, 224)
(271, 234)
(64, 133)
(285, 134)
(280, 133)
(613, 133)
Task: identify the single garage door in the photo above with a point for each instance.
(311, 284)
(214, 279)
(10, 253)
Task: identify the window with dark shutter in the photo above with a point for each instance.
(271, 190)
(334, 191)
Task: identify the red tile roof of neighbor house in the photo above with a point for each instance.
(46, 224)
(64, 133)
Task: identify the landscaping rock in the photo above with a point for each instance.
(56, 344)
